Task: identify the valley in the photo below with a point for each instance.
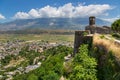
(22, 53)
(59, 40)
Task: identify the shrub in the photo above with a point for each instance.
(116, 26)
(116, 35)
(32, 77)
(84, 66)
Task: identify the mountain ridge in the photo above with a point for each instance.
(51, 23)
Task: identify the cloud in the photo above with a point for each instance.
(111, 19)
(68, 10)
(2, 17)
(34, 13)
(22, 15)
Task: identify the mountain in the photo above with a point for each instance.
(50, 23)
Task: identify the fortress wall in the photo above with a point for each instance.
(81, 37)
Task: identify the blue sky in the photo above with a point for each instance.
(24, 9)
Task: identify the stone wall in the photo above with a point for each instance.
(103, 30)
(81, 37)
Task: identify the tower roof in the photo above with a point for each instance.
(92, 17)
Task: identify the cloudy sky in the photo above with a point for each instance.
(29, 9)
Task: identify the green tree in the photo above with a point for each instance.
(32, 77)
(51, 76)
(51, 68)
(84, 66)
(116, 26)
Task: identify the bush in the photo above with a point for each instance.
(32, 77)
(84, 66)
(116, 26)
(102, 36)
(51, 68)
(116, 35)
(7, 59)
(51, 76)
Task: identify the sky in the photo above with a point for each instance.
(108, 10)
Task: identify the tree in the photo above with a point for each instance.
(116, 26)
(84, 66)
(32, 77)
(51, 68)
(51, 76)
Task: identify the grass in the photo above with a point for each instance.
(45, 37)
(108, 44)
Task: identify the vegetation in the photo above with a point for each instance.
(107, 65)
(98, 62)
(84, 66)
(116, 26)
(116, 35)
(35, 37)
(6, 60)
(109, 45)
(29, 55)
(107, 57)
(52, 67)
(32, 77)
(38, 31)
(102, 36)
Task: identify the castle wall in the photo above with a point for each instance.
(102, 30)
(81, 37)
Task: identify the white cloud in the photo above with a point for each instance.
(96, 10)
(111, 19)
(21, 15)
(48, 11)
(67, 10)
(34, 13)
(2, 17)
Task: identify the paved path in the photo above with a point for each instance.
(115, 40)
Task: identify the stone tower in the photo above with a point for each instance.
(83, 37)
(91, 20)
(91, 27)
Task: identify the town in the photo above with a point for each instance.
(14, 47)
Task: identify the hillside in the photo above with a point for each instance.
(50, 23)
(109, 43)
(43, 60)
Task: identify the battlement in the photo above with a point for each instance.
(81, 33)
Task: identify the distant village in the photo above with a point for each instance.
(15, 46)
